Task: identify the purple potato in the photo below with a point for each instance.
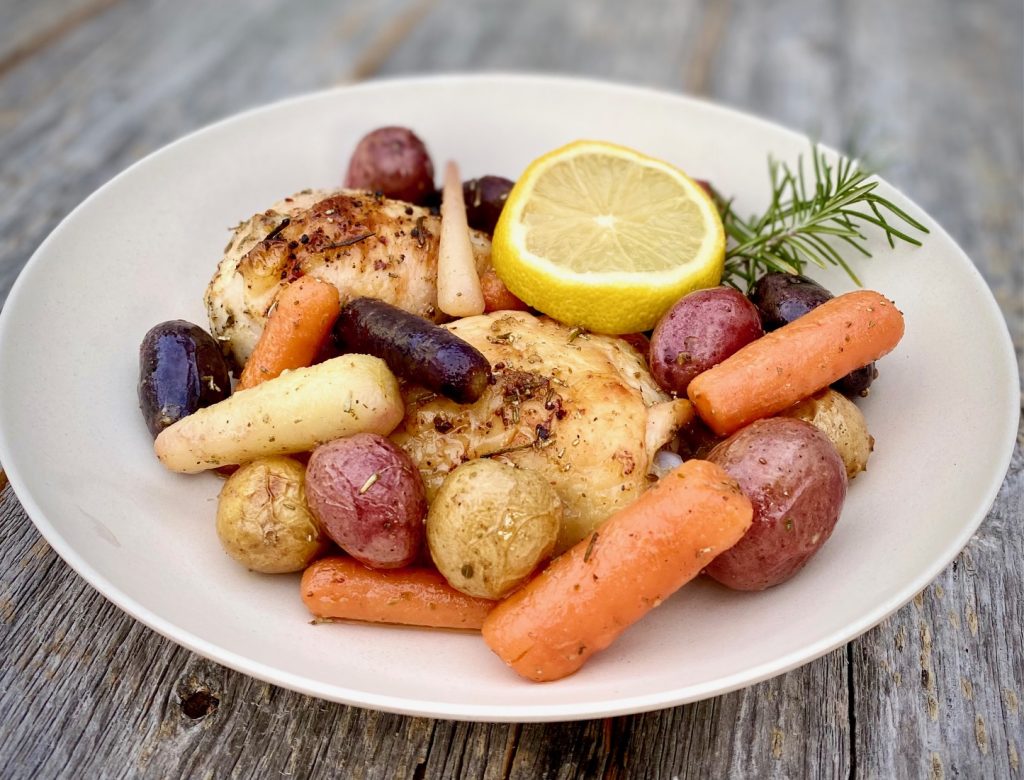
(369, 498)
(796, 481)
(700, 331)
(485, 198)
(780, 298)
(393, 161)
(181, 370)
(857, 381)
(414, 348)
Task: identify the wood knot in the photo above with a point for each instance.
(196, 700)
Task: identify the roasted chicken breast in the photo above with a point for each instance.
(582, 410)
(361, 243)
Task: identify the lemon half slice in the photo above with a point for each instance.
(601, 236)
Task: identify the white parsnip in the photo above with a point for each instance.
(458, 284)
(293, 412)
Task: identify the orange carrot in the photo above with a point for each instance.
(795, 361)
(497, 297)
(641, 555)
(295, 331)
(342, 587)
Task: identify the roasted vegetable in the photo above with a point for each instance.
(369, 498)
(458, 283)
(393, 161)
(414, 348)
(772, 373)
(291, 413)
(485, 198)
(858, 381)
(838, 417)
(797, 483)
(780, 298)
(644, 553)
(491, 525)
(700, 331)
(181, 369)
(297, 329)
(263, 521)
(497, 297)
(341, 588)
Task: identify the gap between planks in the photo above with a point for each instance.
(851, 711)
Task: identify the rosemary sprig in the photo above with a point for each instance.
(811, 222)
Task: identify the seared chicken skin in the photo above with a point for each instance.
(360, 243)
(582, 410)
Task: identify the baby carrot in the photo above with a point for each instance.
(789, 364)
(341, 587)
(641, 555)
(497, 297)
(295, 331)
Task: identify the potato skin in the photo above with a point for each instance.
(414, 348)
(485, 198)
(797, 483)
(700, 331)
(491, 525)
(181, 369)
(838, 417)
(394, 161)
(263, 521)
(369, 497)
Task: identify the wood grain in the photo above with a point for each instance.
(935, 87)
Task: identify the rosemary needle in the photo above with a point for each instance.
(811, 221)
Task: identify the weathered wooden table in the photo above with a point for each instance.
(934, 89)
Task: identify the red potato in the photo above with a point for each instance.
(394, 161)
(369, 498)
(700, 331)
(796, 482)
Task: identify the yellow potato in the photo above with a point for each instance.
(263, 521)
(491, 525)
(838, 417)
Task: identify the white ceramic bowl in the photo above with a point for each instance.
(142, 248)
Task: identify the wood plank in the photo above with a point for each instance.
(946, 674)
(764, 731)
